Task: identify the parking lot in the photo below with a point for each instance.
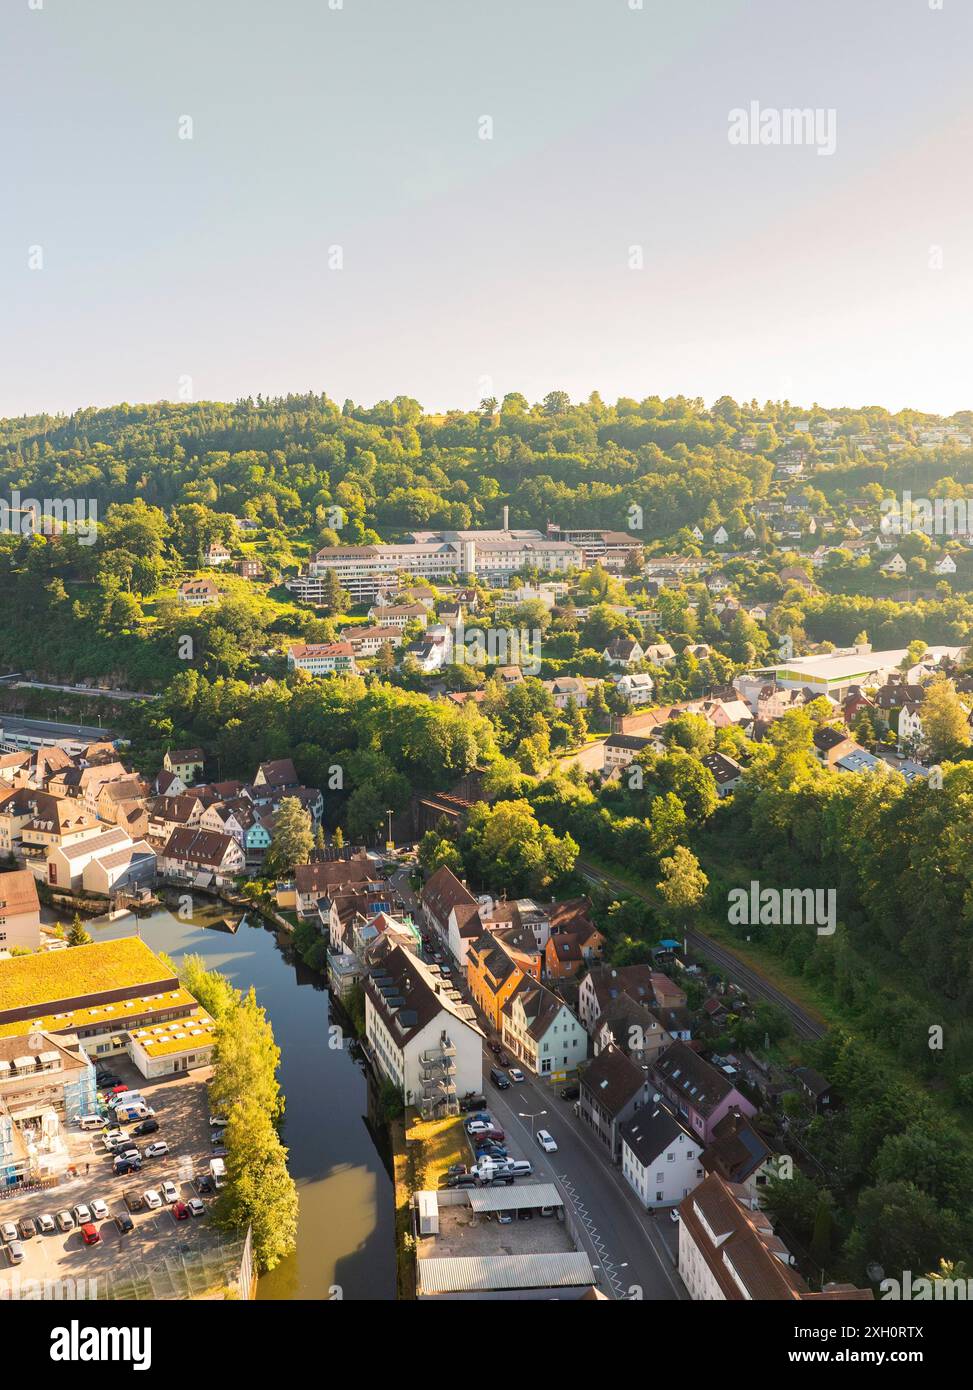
(181, 1108)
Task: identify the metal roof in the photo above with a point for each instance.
(486, 1273)
(537, 1194)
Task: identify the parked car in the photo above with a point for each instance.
(674, 1214)
(503, 1059)
(134, 1199)
(91, 1122)
(113, 1138)
(455, 1168)
(500, 1079)
(104, 1079)
(99, 1210)
(204, 1184)
(515, 1074)
(180, 1212)
(462, 1180)
(46, 1223)
(216, 1138)
(8, 1231)
(65, 1221)
(494, 1133)
(477, 1126)
(124, 1224)
(121, 1166)
(152, 1199)
(195, 1207)
(82, 1213)
(521, 1167)
(217, 1122)
(148, 1126)
(472, 1102)
(156, 1149)
(571, 1091)
(15, 1252)
(170, 1192)
(27, 1228)
(90, 1234)
(546, 1141)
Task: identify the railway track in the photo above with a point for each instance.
(735, 969)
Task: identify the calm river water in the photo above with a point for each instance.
(346, 1227)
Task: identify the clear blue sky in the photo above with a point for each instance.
(477, 267)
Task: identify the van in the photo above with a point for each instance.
(217, 1169)
(91, 1122)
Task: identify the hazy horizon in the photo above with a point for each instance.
(139, 266)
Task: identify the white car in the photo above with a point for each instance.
(9, 1231)
(195, 1206)
(46, 1224)
(99, 1210)
(170, 1192)
(217, 1122)
(478, 1127)
(674, 1214)
(152, 1199)
(156, 1149)
(82, 1213)
(65, 1221)
(547, 1141)
(515, 1074)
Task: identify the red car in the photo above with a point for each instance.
(180, 1211)
(90, 1234)
(118, 1090)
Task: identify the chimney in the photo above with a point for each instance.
(506, 518)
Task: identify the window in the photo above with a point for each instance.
(659, 1197)
(660, 1177)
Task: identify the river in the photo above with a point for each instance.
(345, 1240)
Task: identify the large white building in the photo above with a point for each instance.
(421, 1035)
(367, 570)
(661, 1158)
(834, 673)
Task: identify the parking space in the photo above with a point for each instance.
(182, 1111)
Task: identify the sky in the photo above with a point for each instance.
(452, 199)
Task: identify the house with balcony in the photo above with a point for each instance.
(542, 1032)
(420, 1034)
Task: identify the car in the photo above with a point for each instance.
(112, 1138)
(152, 1199)
(500, 1079)
(473, 1101)
(477, 1126)
(195, 1207)
(65, 1221)
(46, 1223)
(156, 1149)
(221, 1152)
(15, 1252)
(547, 1141)
(121, 1166)
(462, 1180)
(8, 1231)
(148, 1126)
(124, 1224)
(515, 1074)
(204, 1183)
(170, 1192)
(104, 1079)
(217, 1122)
(90, 1234)
(82, 1213)
(520, 1167)
(494, 1045)
(27, 1228)
(180, 1212)
(91, 1122)
(456, 1168)
(134, 1199)
(525, 1214)
(674, 1214)
(503, 1059)
(547, 1211)
(216, 1138)
(482, 1115)
(494, 1133)
(571, 1091)
(99, 1210)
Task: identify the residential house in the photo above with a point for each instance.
(420, 1035)
(198, 593)
(660, 654)
(832, 744)
(727, 772)
(66, 864)
(661, 1158)
(622, 749)
(604, 985)
(612, 1090)
(368, 641)
(491, 975)
(565, 688)
(318, 882)
(322, 658)
(739, 1155)
(185, 763)
(542, 1032)
(634, 1028)
(946, 565)
(204, 857)
(399, 616)
(130, 866)
(636, 687)
(814, 1087)
(452, 912)
(20, 911)
(700, 1093)
(910, 729)
(217, 554)
(623, 651)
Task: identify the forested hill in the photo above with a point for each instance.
(392, 467)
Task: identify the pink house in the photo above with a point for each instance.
(700, 1092)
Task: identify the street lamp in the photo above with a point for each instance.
(525, 1115)
(389, 844)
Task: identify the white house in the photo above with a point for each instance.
(420, 1036)
(542, 1032)
(720, 536)
(66, 863)
(623, 651)
(452, 911)
(947, 565)
(910, 725)
(660, 1157)
(637, 688)
(894, 565)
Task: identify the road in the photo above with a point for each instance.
(805, 1025)
(621, 1240)
(619, 1237)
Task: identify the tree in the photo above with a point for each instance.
(682, 885)
(945, 723)
(77, 936)
(260, 1192)
(293, 838)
